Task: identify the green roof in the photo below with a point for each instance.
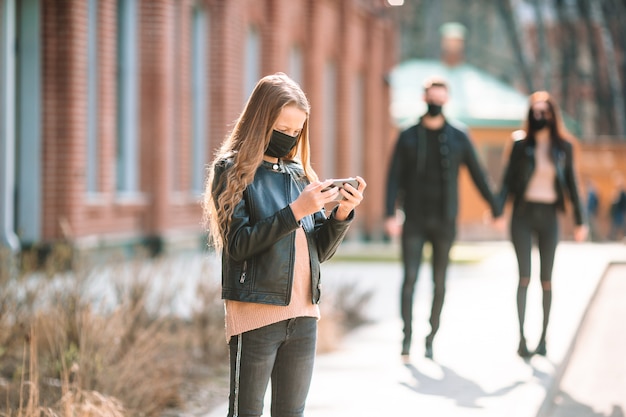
(476, 98)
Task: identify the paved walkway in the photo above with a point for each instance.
(594, 382)
(475, 371)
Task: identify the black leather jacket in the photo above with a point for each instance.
(259, 255)
(407, 171)
(520, 168)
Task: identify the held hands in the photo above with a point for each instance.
(393, 226)
(580, 231)
(317, 194)
(499, 223)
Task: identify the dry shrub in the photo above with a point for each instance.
(329, 328)
(343, 310)
(89, 404)
(120, 355)
(118, 350)
(74, 402)
(208, 318)
(352, 304)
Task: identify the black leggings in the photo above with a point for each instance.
(440, 234)
(539, 220)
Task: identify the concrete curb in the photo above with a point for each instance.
(547, 405)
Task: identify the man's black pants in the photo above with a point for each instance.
(440, 234)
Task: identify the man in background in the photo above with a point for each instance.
(423, 183)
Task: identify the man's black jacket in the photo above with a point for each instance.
(408, 165)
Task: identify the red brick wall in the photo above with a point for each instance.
(379, 134)
(182, 144)
(156, 108)
(107, 117)
(64, 119)
(358, 43)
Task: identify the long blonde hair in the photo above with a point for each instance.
(244, 148)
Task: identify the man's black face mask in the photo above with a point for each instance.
(434, 109)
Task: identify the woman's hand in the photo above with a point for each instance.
(313, 198)
(580, 233)
(352, 198)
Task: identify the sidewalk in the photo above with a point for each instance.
(594, 382)
(475, 371)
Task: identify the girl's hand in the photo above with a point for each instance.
(352, 198)
(313, 198)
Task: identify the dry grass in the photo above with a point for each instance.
(71, 345)
(112, 339)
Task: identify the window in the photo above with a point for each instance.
(329, 133)
(357, 123)
(28, 122)
(251, 64)
(295, 64)
(199, 67)
(127, 98)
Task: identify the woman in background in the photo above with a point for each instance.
(539, 176)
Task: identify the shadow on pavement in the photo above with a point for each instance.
(570, 407)
(465, 392)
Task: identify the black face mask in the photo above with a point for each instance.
(434, 109)
(538, 124)
(280, 144)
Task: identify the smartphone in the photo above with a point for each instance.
(340, 182)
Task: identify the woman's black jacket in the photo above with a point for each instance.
(259, 252)
(520, 168)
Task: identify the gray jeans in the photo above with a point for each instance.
(283, 352)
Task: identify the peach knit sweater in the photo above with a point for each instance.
(243, 316)
(540, 188)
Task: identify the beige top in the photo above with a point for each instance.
(243, 316)
(541, 187)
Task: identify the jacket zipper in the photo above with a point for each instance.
(242, 278)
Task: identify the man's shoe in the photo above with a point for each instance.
(522, 350)
(428, 351)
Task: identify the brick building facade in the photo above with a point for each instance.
(120, 104)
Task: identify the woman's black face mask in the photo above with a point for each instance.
(538, 124)
(538, 120)
(280, 144)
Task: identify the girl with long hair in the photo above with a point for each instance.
(264, 209)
